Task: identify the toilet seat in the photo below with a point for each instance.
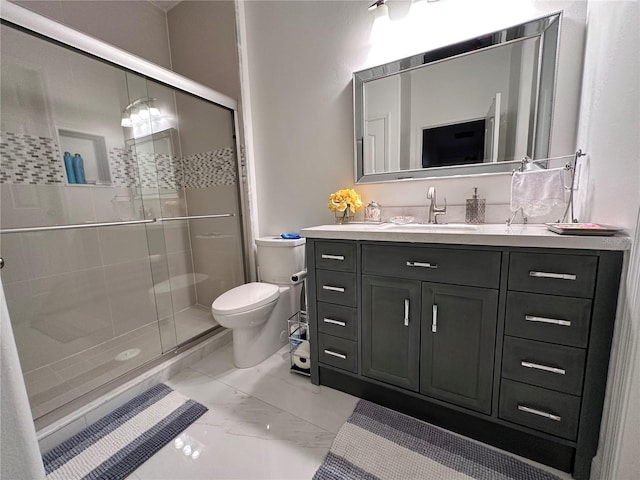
(244, 298)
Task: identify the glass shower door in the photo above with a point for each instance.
(77, 277)
(119, 215)
(211, 192)
(196, 245)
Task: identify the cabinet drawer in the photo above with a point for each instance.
(338, 352)
(475, 268)
(545, 410)
(544, 364)
(340, 256)
(548, 318)
(337, 320)
(557, 274)
(336, 287)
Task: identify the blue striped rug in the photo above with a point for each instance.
(378, 443)
(120, 442)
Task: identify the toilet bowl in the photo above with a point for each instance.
(257, 312)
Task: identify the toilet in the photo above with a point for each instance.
(257, 312)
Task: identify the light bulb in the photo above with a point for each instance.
(381, 25)
(417, 10)
(144, 113)
(135, 117)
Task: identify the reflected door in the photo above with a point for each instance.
(492, 130)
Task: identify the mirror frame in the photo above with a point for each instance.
(530, 29)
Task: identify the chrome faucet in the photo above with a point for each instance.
(434, 210)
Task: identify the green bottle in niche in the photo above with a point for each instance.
(475, 209)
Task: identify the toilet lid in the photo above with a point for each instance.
(245, 297)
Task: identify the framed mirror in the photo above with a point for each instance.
(473, 107)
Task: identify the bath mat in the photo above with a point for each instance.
(378, 443)
(120, 442)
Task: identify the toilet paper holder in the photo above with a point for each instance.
(299, 347)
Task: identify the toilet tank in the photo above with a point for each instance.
(279, 258)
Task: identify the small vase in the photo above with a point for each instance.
(344, 217)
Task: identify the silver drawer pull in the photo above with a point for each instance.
(335, 354)
(333, 257)
(406, 312)
(546, 368)
(540, 413)
(559, 276)
(434, 320)
(533, 318)
(334, 322)
(422, 264)
(333, 289)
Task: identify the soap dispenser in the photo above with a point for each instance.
(475, 209)
(373, 212)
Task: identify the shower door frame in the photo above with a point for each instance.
(50, 30)
(33, 23)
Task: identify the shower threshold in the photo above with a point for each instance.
(61, 423)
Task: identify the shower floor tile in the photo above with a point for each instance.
(58, 383)
(193, 321)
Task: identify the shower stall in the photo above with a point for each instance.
(121, 215)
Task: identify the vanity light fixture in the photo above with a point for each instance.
(418, 9)
(138, 111)
(381, 23)
(377, 4)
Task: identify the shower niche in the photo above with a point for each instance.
(85, 152)
(107, 274)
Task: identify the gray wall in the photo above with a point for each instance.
(136, 26)
(203, 44)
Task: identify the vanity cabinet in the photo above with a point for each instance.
(391, 330)
(444, 330)
(508, 345)
(335, 318)
(458, 343)
(546, 335)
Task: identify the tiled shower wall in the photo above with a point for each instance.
(27, 159)
(110, 284)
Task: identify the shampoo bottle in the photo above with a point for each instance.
(68, 166)
(78, 168)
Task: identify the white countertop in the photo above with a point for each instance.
(530, 235)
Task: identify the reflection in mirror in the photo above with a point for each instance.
(461, 109)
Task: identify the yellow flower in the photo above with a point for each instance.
(346, 198)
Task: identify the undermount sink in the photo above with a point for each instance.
(429, 226)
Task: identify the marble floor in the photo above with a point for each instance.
(263, 423)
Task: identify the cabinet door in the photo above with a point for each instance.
(457, 346)
(391, 330)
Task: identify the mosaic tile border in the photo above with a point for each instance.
(209, 169)
(37, 161)
(29, 159)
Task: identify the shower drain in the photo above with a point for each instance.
(128, 354)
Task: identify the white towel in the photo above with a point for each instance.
(538, 191)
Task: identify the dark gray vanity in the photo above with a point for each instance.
(504, 337)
